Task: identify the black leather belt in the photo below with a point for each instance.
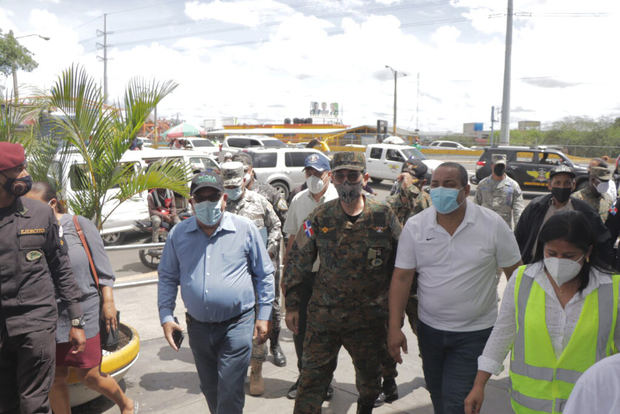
(226, 322)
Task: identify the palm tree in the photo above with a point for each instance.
(101, 134)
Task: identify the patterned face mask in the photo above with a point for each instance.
(349, 192)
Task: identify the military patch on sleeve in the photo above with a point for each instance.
(308, 230)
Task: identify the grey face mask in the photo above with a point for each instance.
(349, 192)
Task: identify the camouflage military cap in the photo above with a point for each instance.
(208, 178)
(349, 160)
(244, 158)
(232, 173)
(415, 167)
(602, 173)
(562, 169)
(498, 159)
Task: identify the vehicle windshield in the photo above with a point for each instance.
(202, 143)
(409, 151)
(274, 143)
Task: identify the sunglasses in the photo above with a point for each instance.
(351, 176)
(212, 198)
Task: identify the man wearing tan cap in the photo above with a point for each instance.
(596, 193)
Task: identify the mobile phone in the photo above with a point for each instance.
(177, 336)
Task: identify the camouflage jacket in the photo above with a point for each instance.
(357, 259)
(256, 207)
(601, 203)
(274, 197)
(416, 201)
(504, 197)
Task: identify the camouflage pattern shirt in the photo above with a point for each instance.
(256, 207)
(357, 258)
(415, 201)
(274, 197)
(601, 203)
(504, 197)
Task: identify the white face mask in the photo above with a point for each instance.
(562, 270)
(602, 187)
(315, 184)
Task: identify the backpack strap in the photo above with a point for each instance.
(80, 233)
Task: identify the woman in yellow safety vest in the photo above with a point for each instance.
(559, 316)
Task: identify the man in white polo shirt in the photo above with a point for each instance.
(455, 248)
(320, 190)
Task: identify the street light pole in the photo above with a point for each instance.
(504, 138)
(14, 68)
(395, 72)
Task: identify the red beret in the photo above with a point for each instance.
(11, 155)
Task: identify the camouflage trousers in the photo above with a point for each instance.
(259, 351)
(363, 335)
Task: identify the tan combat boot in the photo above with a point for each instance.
(257, 384)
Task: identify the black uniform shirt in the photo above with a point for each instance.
(34, 267)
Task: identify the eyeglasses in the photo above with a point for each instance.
(311, 171)
(212, 197)
(351, 176)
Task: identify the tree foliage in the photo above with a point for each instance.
(14, 56)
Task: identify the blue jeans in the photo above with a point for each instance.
(450, 364)
(222, 355)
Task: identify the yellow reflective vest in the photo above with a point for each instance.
(541, 382)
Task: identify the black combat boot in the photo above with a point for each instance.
(390, 390)
(364, 408)
(279, 359)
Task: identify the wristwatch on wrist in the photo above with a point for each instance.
(78, 322)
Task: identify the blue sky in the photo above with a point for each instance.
(267, 60)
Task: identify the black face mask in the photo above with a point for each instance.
(499, 169)
(17, 186)
(561, 194)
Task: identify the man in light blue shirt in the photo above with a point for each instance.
(219, 260)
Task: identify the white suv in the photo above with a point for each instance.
(283, 168)
(252, 141)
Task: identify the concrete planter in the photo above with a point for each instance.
(115, 363)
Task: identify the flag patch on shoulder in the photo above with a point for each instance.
(307, 226)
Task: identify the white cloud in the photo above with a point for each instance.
(249, 13)
(388, 2)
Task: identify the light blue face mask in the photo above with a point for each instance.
(209, 212)
(445, 199)
(234, 193)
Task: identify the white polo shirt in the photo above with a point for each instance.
(302, 205)
(457, 275)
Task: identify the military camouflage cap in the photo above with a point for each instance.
(415, 167)
(244, 158)
(602, 173)
(208, 178)
(349, 160)
(498, 159)
(232, 173)
(562, 169)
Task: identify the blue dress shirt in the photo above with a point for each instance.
(218, 274)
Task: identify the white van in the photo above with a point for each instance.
(385, 161)
(123, 217)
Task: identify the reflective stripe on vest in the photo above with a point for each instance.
(544, 389)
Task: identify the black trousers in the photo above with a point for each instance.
(27, 366)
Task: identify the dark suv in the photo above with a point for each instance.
(529, 166)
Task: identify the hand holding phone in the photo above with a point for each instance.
(177, 335)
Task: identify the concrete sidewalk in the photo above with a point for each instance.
(165, 381)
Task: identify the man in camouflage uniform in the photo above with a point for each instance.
(595, 193)
(356, 239)
(500, 193)
(254, 206)
(281, 208)
(410, 199)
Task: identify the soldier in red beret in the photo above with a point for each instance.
(33, 266)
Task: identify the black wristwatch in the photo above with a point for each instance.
(78, 322)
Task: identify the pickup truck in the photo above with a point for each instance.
(385, 161)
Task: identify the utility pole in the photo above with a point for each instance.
(104, 46)
(505, 126)
(492, 125)
(155, 132)
(417, 105)
(395, 72)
